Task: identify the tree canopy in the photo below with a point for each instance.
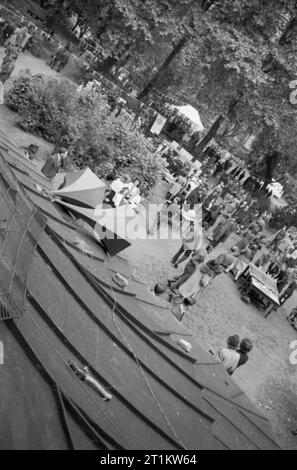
(233, 59)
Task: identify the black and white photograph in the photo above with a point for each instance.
(148, 228)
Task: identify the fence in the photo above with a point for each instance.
(21, 225)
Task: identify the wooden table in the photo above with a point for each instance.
(265, 286)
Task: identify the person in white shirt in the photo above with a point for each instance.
(121, 198)
(229, 356)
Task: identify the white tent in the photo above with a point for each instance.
(192, 114)
(82, 188)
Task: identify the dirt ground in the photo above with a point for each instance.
(268, 378)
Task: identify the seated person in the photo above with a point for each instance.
(179, 306)
(190, 268)
(227, 260)
(134, 201)
(229, 356)
(121, 198)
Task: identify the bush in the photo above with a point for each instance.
(44, 105)
(283, 216)
(53, 109)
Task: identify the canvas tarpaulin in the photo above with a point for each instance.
(192, 114)
(82, 188)
(114, 228)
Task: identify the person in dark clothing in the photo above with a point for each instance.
(288, 292)
(282, 279)
(6, 31)
(244, 348)
(190, 268)
(293, 316)
(8, 63)
(194, 197)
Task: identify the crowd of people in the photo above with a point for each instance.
(230, 217)
(224, 192)
(123, 191)
(228, 209)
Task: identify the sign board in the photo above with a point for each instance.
(158, 125)
(185, 155)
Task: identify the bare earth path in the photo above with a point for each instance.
(268, 378)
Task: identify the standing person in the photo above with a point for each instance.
(26, 38)
(176, 187)
(190, 268)
(57, 57)
(194, 197)
(12, 38)
(287, 294)
(21, 37)
(277, 239)
(121, 198)
(7, 30)
(134, 188)
(293, 317)
(54, 163)
(189, 245)
(223, 230)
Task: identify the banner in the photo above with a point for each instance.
(158, 124)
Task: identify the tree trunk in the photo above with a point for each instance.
(104, 25)
(76, 24)
(82, 31)
(271, 161)
(287, 34)
(125, 55)
(216, 125)
(208, 137)
(150, 85)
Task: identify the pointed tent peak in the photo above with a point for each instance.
(83, 188)
(81, 179)
(110, 226)
(192, 114)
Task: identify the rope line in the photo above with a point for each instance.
(81, 384)
(144, 376)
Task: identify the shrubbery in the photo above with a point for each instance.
(283, 216)
(53, 109)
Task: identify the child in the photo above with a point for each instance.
(229, 356)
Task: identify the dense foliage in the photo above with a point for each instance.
(54, 110)
(234, 61)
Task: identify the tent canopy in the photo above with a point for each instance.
(111, 227)
(192, 114)
(82, 188)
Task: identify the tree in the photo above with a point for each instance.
(53, 109)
